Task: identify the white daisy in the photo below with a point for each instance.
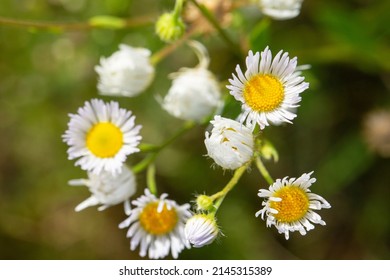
(230, 143)
(195, 93)
(201, 230)
(269, 90)
(281, 9)
(157, 226)
(126, 72)
(101, 136)
(290, 204)
(107, 189)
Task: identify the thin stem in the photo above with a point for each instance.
(150, 158)
(186, 127)
(147, 147)
(158, 56)
(263, 170)
(214, 22)
(151, 179)
(144, 163)
(178, 7)
(127, 23)
(219, 196)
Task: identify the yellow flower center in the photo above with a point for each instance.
(294, 204)
(104, 140)
(158, 222)
(263, 93)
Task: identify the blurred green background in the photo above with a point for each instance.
(46, 74)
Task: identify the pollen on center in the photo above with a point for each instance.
(263, 93)
(158, 223)
(104, 140)
(293, 206)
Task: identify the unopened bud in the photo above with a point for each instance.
(170, 27)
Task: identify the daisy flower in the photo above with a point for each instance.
(101, 135)
(281, 9)
(230, 143)
(195, 93)
(201, 230)
(126, 72)
(269, 90)
(290, 205)
(157, 226)
(107, 189)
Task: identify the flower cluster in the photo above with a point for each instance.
(102, 137)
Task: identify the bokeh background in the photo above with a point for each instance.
(46, 74)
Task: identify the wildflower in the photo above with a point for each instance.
(107, 189)
(126, 72)
(376, 131)
(101, 135)
(201, 230)
(230, 143)
(195, 93)
(281, 9)
(269, 90)
(290, 204)
(157, 225)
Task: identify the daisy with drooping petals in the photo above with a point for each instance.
(230, 143)
(101, 135)
(290, 204)
(269, 89)
(127, 72)
(157, 225)
(107, 189)
(195, 93)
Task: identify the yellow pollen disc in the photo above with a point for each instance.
(158, 222)
(104, 140)
(263, 93)
(294, 204)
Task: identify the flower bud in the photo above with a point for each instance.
(201, 230)
(204, 203)
(268, 151)
(170, 27)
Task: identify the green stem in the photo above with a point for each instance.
(151, 179)
(127, 23)
(178, 7)
(158, 56)
(219, 196)
(186, 127)
(147, 148)
(214, 22)
(144, 163)
(263, 170)
(154, 150)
